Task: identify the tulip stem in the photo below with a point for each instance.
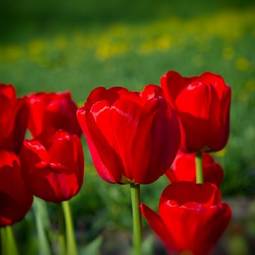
(41, 218)
(71, 247)
(199, 168)
(3, 248)
(10, 246)
(137, 222)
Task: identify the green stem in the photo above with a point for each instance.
(61, 244)
(10, 243)
(71, 248)
(199, 168)
(137, 222)
(3, 242)
(40, 217)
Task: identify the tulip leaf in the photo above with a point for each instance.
(147, 245)
(93, 247)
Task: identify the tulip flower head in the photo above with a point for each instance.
(15, 197)
(133, 137)
(54, 171)
(184, 169)
(191, 217)
(13, 119)
(50, 112)
(203, 106)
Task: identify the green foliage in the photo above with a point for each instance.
(42, 225)
(93, 247)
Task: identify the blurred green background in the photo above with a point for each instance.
(76, 45)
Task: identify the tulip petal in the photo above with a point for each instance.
(61, 151)
(20, 125)
(105, 159)
(157, 225)
(13, 119)
(7, 115)
(184, 169)
(186, 192)
(13, 190)
(50, 112)
(186, 222)
(172, 84)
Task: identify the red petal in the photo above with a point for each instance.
(196, 100)
(158, 226)
(62, 151)
(172, 84)
(151, 92)
(183, 169)
(101, 93)
(37, 104)
(13, 190)
(33, 152)
(186, 192)
(20, 125)
(7, 113)
(105, 159)
(50, 112)
(186, 223)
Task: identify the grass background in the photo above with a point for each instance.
(78, 45)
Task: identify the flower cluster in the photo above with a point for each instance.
(134, 138)
(49, 166)
(191, 215)
(53, 160)
(13, 123)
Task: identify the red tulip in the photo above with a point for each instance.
(15, 198)
(132, 137)
(191, 217)
(50, 112)
(203, 105)
(13, 119)
(54, 171)
(184, 169)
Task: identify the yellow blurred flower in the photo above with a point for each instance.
(242, 64)
(107, 50)
(163, 42)
(11, 53)
(36, 48)
(156, 44)
(145, 38)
